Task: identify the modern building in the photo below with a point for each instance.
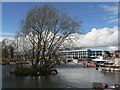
(82, 53)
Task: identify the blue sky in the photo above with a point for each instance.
(98, 15)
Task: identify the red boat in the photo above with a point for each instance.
(89, 64)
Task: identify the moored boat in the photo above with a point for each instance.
(113, 65)
(100, 60)
(89, 64)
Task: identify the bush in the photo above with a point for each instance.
(25, 71)
(22, 71)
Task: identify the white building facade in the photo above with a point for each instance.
(82, 53)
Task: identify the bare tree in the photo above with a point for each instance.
(46, 28)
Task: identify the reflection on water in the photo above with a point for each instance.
(69, 76)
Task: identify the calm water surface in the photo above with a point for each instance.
(69, 76)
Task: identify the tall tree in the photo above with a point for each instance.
(45, 28)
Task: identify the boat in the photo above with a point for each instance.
(89, 64)
(104, 85)
(112, 65)
(100, 85)
(100, 60)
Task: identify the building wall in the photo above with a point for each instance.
(82, 53)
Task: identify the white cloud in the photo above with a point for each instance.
(113, 20)
(112, 48)
(7, 34)
(110, 9)
(1, 38)
(97, 37)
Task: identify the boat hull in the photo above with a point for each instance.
(89, 64)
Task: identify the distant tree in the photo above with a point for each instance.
(11, 51)
(46, 28)
(5, 53)
(7, 50)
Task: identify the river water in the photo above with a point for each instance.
(69, 76)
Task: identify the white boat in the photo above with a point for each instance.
(112, 65)
(100, 60)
